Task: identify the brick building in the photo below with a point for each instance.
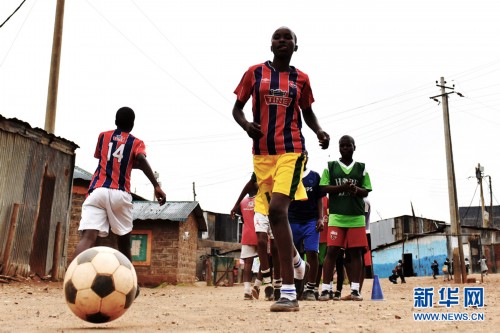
(164, 239)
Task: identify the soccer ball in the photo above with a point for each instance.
(100, 284)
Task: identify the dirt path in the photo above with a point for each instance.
(40, 307)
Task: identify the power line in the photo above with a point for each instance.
(145, 54)
(8, 18)
(180, 53)
(17, 34)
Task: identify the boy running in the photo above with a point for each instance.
(109, 202)
(279, 93)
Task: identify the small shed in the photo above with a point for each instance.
(165, 241)
(36, 171)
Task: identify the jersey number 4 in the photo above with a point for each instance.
(118, 153)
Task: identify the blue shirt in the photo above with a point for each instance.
(302, 211)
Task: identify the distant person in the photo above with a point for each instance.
(244, 206)
(484, 266)
(109, 202)
(435, 269)
(394, 277)
(347, 183)
(467, 265)
(446, 270)
(281, 95)
(400, 272)
(306, 222)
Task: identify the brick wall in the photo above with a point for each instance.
(76, 214)
(173, 258)
(187, 250)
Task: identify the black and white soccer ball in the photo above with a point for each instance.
(100, 284)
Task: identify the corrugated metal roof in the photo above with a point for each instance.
(14, 125)
(172, 210)
(79, 173)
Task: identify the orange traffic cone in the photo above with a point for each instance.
(377, 294)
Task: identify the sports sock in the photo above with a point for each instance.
(355, 286)
(326, 286)
(247, 287)
(310, 286)
(288, 291)
(266, 276)
(257, 283)
(277, 283)
(299, 267)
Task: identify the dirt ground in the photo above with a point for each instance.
(37, 306)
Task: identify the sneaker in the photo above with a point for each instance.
(255, 292)
(353, 296)
(277, 293)
(248, 297)
(285, 305)
(308, 295)
(299, 283)
(269, 293)
(326, 295)
(316, 294)
(336, 296)
(137, 292)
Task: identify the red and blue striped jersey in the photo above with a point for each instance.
(277, 98)
(116, 151)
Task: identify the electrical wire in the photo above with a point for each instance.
(8, 18)
(145, 54)
(17, 34)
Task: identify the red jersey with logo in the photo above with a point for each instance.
(116, 151)
(277, 98)
(248, 236)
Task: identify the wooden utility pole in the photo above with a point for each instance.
(479, 176)
(194, 192)
(491, 205)
(452, 188)
(50, 113)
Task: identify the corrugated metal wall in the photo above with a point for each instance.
(36, 171)
(423, 250)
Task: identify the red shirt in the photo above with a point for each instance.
(277, 98)
(248, 237)
(116, 151)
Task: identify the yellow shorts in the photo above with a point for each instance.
(281, 174)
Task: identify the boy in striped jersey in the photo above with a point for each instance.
(109, 202)
(280, 94)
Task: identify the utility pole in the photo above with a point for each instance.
(50, 113)
(452, 192)
(491, 205)
(479, 176)
(194, 192)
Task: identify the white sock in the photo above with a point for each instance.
(257, 283)
(248, 287)
(326, 286)
(299, 267)
(355, 286)
(288, 291)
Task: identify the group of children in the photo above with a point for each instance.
(281, 95)
(307, 224)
